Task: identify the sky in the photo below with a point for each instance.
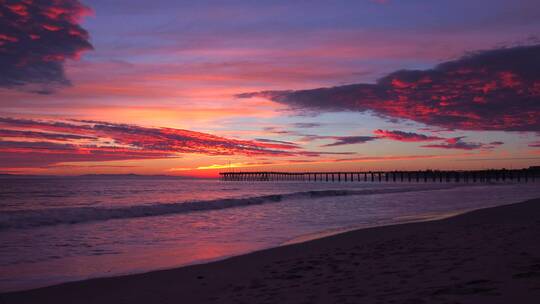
(197, 87)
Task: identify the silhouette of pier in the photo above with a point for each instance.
(471, 176)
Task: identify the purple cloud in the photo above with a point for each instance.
(305, 125)
(457, 143)
(36, 37)
(405, 136)
(349, 140)
(280, 143)
(30, 142)
(486, 90)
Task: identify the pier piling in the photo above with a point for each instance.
(484, 176)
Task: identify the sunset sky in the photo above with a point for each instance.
(195, 87)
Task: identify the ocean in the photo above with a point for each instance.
(55, 230)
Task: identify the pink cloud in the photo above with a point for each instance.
(488, 90)
(458, 143)
(405, 136)
(26, 141)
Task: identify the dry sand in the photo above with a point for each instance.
(485, 256)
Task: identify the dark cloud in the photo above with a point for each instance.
(305, 125)
(36, 37)
(487, 90)
(41, 135)
(349, 140)
(458, 143)
(36, 146)
(276, 130)
(404, 136)
(497, 159)
(386, 158)
(279, 143)
(320, 153)
(535, 144)
(446, 143)
(379, 134)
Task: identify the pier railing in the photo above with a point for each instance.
(476, 176)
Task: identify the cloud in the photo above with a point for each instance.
(50, 147)
(497, 159)
(395, 135)
(349, 140)
(305, 125)
(36, 37)
(30, 142)
(458, 143)
(280, 144)
(404, 136)
(486, 90)
(320, 153)
(447, 143)
(40, 135)
(535, 144)
(276, 130)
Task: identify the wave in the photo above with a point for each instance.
(57, 216)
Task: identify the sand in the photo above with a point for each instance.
(485, 256)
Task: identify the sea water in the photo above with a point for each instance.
(54, 230)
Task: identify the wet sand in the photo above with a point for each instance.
(485, 256)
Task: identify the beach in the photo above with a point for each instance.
(490, 255)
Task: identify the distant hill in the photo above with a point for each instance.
(131, 176)
(21, 176)
(94, 176)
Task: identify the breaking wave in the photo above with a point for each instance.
(57, 216)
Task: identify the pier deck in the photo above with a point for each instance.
(473, 176)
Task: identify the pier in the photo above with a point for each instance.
(531, 174)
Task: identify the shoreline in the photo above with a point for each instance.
(290, 272)
(420, 218)
(424, 217)
(295, 240)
